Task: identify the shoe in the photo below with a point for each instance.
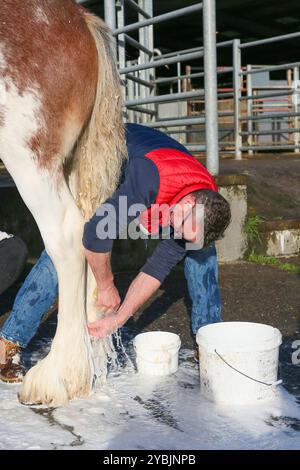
(11, 367)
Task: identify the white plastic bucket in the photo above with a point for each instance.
(157, 352)
(238, 362)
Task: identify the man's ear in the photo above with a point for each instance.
(190, 199)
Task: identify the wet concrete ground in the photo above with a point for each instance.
(250, 292)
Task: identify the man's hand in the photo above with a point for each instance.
(104, 327)
(108, 299)
(140, 290)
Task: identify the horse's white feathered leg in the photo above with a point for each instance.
(67, 370)
(45, 109)
(102, 349)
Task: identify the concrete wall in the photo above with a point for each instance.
(170, 111)
(278, 237)
(233, 246)
(283, 242)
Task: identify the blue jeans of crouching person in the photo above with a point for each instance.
(201, 273)
(40, 289)
(37, 294)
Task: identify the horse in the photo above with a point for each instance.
(62, 140)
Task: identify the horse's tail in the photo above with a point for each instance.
(101, 150)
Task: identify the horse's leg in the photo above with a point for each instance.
(52, 94)
(102, 349)
(67, 370)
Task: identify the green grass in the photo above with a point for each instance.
(272, 261)
(252, 228)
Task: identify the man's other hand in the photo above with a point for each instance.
(108, 299)
(104, 327)
(140, 290)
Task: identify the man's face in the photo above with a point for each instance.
(185, 218)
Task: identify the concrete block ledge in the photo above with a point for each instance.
(281, 237)
(234, 244)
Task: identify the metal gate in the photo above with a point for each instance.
(142, 79)
(270, 119)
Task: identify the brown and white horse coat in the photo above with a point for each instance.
(62, 140)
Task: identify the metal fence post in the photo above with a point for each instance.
(150, 44)
(120, 15)
(110, 19)
(295, 106)
(237, 96)
(130, 95)
(143, 58)
(110, 13)
(144, 39)
(210, 79)
(249, 110)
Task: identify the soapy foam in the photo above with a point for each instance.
(134, 412)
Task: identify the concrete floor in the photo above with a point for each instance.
(250, 292)
(273, 184)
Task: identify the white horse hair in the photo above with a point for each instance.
(62, 140)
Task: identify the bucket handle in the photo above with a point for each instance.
(248, 376)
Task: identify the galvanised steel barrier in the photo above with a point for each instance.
(277, 106)
(247, 113)
(255, 112)
(142, 83)
(258, 112)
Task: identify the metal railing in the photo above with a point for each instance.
(143, 78)
(184, 93)
(254, 117)
(277, 107)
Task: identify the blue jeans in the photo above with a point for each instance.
(39, 293)
(201, 273)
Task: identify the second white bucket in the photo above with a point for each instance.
(157, 352)
(238, 362)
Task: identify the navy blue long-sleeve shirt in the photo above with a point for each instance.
(140, 186)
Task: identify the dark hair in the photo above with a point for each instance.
(217, 214)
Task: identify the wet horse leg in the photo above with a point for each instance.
(67, 370)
